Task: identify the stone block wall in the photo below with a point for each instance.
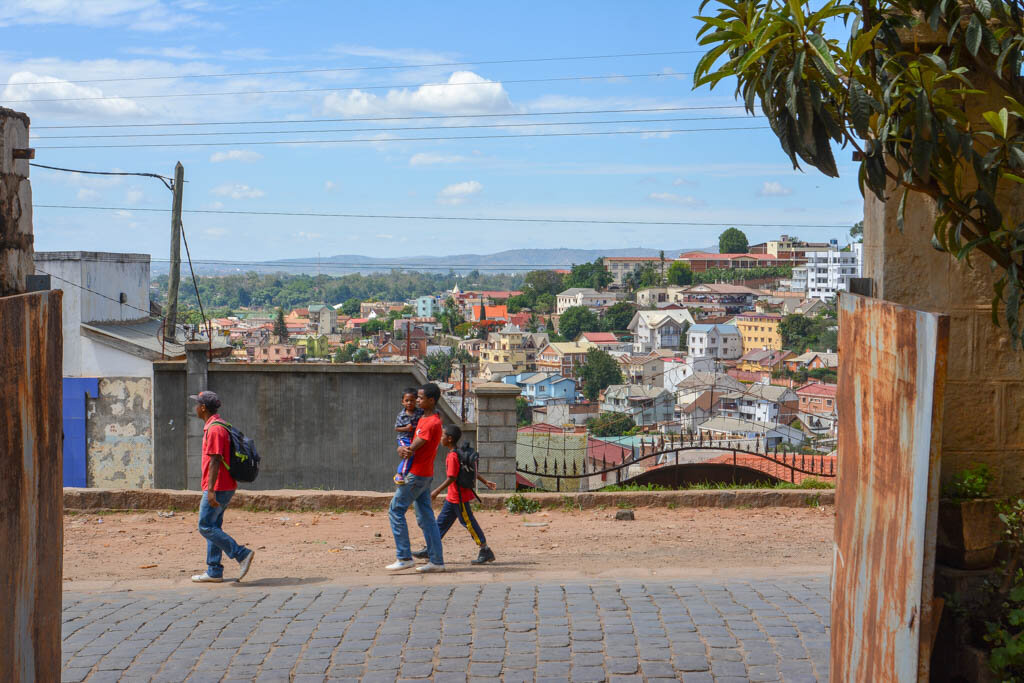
(984, 396)
(496, 433)
(15, 205)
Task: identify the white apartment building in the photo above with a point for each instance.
(828, 272)
(583, 296)
(721, 342)
(662, 329)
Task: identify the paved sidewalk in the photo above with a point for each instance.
(706, 630)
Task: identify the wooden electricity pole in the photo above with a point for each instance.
(175, 271)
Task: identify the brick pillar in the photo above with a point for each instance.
(496, 432)
(196, 363)
(15, 205)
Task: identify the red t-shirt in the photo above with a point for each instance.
(428, 429)
(456, 494)
(217, 442)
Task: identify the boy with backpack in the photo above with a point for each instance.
(218, 488)
(461, 467)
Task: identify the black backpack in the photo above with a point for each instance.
(469, 465)
(244, 462)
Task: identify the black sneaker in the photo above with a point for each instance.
(420, 554)
(486, 555)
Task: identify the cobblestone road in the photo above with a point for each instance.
(706, 630)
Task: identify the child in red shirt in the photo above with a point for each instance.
(456, 503)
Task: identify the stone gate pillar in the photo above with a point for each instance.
(196, 365)
(496, 432)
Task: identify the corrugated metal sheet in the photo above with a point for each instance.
(31, 504)
(891, 380)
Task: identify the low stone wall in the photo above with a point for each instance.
(157, 499)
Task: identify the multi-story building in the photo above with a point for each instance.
(641, 369)
(323, 318)
(828, 272)
(727, 297)
(787, 247)
(645, 404)
(764, 360)
(699, 261)
(817, 398)
(542, 388)
(721, 342)
(758, 403)
(759, 330)
(513, 346)
(565, 358)
(621, 266)
(659, 329)
(605, 340)
(426, 307)
(583, 296)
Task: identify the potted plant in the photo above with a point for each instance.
(968, 533)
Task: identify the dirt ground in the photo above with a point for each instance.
(152, 550)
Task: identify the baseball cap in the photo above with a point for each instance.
(207, 398)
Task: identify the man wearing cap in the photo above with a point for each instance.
(218, 488)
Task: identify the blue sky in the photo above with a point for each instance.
(722, 177)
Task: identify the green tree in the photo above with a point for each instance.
(593, 275)
(361, 356)
(439, 366)
(684, 337)
(617, 316)
(545, 303)
(902, 91)
(857, 231)
(524, 413)
(679, 273)
(371, 327)
(533, 323)
(351, 307)
(543, 282)
(577, 319)
(599, 371)
(280, 329)
(733, 241)
(611, 424)
(449, 318)
(795, 330)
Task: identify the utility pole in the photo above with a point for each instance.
(175, 272)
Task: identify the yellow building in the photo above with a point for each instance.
(759, 331)
(513, 346)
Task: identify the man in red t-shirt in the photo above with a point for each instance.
(456, 503)
(416, 490)
(218, 488)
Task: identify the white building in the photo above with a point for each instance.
(828, 272)
(721, 342)
(663, 329)
(583, 296)
(645, 404)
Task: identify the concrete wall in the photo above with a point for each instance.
(16, 239)
(108, 274)
(315, 425)
(119, 434)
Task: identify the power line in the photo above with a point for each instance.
(165, 180)
(447, 218)
(419, 139)
(286, 72)
(387, 118)
(376, 130)
(553, 79)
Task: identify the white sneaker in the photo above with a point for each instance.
(243, 567)
(400, 564)
(206, 578)
(430, 567)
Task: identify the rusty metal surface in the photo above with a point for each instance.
(31, 501)
(891, 381)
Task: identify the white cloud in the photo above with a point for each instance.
(458, 193)
(213, 206)
(26, 85)
(184, 52)
(404, 55)
(678, 182)
(330, 186)
(773, 188)
(427, 159)
(86, 194)
(384, 236)
(237, 191)
(464, 93)
(141, 15)
(309, 235)
(215, 232)
(133, 196)
(675, 198)
(245, 155)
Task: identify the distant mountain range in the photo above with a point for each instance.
(509, 261)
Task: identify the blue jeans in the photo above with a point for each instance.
(210, 520)
(416, 491)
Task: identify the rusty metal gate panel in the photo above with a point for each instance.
(31, 501)
(891, 378)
